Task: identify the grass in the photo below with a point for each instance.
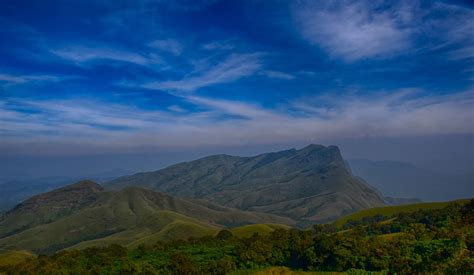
(262, 229)
(10, 257)
(116, 219)
(131, 217)
(393, 210)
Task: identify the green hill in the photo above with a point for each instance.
(392, 210)
(48, 207)
(128, 217)
(312, 184)
(262, 229)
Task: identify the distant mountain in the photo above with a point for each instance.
(400, 201)
(13, 192)
(312, 184)
(83, 214)
(405, 180)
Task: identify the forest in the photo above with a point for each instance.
(424, 241)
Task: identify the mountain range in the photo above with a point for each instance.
(192, 199)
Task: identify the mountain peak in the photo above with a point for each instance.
(324, 154)
(318, 147)
(312, 147)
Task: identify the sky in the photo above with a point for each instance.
(154, 82)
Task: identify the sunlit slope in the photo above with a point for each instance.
(261, 229)
(393, 210)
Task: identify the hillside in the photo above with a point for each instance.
(393, 210)
(247, 231)
(312, 184)
(49, 207)
(84, 215)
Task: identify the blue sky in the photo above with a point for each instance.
(119, 75)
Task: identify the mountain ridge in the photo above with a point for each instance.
(269, 182)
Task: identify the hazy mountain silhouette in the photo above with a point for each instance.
(405, 180)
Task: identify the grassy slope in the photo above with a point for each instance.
(392, 210)
(49, 207)
(174, 226)
(122, 218)
(262, 229)
(130, 217)
(8, 257)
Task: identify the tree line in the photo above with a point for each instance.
(425, 241)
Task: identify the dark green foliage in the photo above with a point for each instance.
(436, 241)
(224, 235)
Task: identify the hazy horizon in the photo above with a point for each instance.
(450, 155)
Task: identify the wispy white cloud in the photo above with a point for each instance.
(463, 53)
(352, 31)
(12, 79)
(167, 45)
(453, 29)
(218, 45)
(86, 54)
(26, 78)
(232, 68)
(356, 30)
(244, 110)
(401, 113)
(277, 74)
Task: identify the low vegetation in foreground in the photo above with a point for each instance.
(423, 241)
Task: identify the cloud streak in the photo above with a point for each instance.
(18, 79)
(401, 113)
(280, 75)
(167, 45)
(88, 54)
(234, 67)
